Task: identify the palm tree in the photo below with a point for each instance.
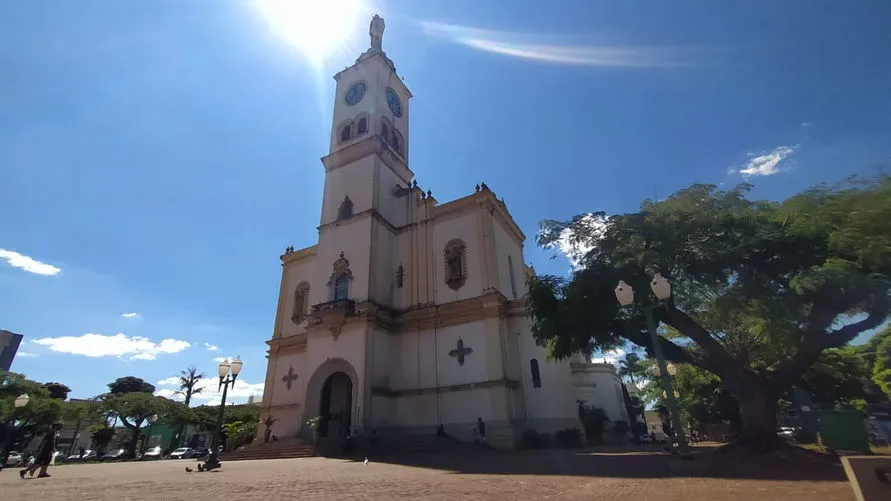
(631, 365)
(188, 384)
(188, 387)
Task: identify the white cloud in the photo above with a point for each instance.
(211, 347)
(131, 315)
(574, 250)
(118, 345)
(767, 164)
(28, 264)
(523, 46)
(210, 396)
(221, 359)
(25, 354)
(611, 356)
(171, 381)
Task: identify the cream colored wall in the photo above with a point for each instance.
(294, 273)
(606, 392)
(464, 227)
(286, 405)
(394, 209)
(346, 237)
(555, 398)
(506, 246)
(386, 260)
(355, 180)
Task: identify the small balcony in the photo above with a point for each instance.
(332, 315)
(346, 306)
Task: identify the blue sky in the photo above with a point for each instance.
(160, 155)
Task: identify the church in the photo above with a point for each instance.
(408, 314)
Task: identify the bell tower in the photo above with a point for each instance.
(370, 102)
(366, 169)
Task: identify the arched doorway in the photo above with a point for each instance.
(331, 394)
(335, 405)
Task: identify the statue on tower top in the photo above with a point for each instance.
(376, 31)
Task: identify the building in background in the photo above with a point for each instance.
(9, 345)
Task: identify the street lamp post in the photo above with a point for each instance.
(226, 368)
(19, 402)
(662, 290)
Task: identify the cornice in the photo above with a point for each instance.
(299, 255)
(371, 145)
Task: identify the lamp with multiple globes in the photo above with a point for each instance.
(662, 290)
(228, 372)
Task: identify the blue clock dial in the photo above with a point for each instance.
(394, 103)
(356, 92)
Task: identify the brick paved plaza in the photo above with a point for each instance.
(528, 475)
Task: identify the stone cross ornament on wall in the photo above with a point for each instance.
(290, 377)
(460, 352)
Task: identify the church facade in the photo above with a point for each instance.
(409, 313)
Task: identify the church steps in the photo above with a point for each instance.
(281, 449)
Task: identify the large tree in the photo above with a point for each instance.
(130, 399)
(759, 288)
(16, 423)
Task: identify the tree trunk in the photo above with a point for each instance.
(758, 416)
(134, 443)
(74, 438)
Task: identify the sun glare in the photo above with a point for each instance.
(317, 28)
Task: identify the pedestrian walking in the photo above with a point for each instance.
(44, 455)
(481, 429)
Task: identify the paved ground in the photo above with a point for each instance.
(518, 476)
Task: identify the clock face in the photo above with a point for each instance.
(394, 103)
(356, 92)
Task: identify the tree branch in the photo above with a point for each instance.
(844, 335)
(689, 327)
(672, 351)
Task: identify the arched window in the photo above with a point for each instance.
(346, 133)
(362, 126)
(301, 300)
(536, 376)
(346, 209)
(396, 141)
(341, 287)
(513, 280)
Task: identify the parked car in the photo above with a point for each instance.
(87, 455)
(14, 458)
(786, 433)
(200, 452)
(152, 453)
(645, 439)
(59, 456)
(114, 455)
(182, 453)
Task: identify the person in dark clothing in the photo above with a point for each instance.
(481, 428)
(44, 453)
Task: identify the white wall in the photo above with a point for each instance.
(466, 228)
(295, 273)
(350, 237)
(555, 398)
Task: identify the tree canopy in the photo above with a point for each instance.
(130, 384)
(759, 288)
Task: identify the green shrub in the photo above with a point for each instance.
(532, 439)
(569, 438)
